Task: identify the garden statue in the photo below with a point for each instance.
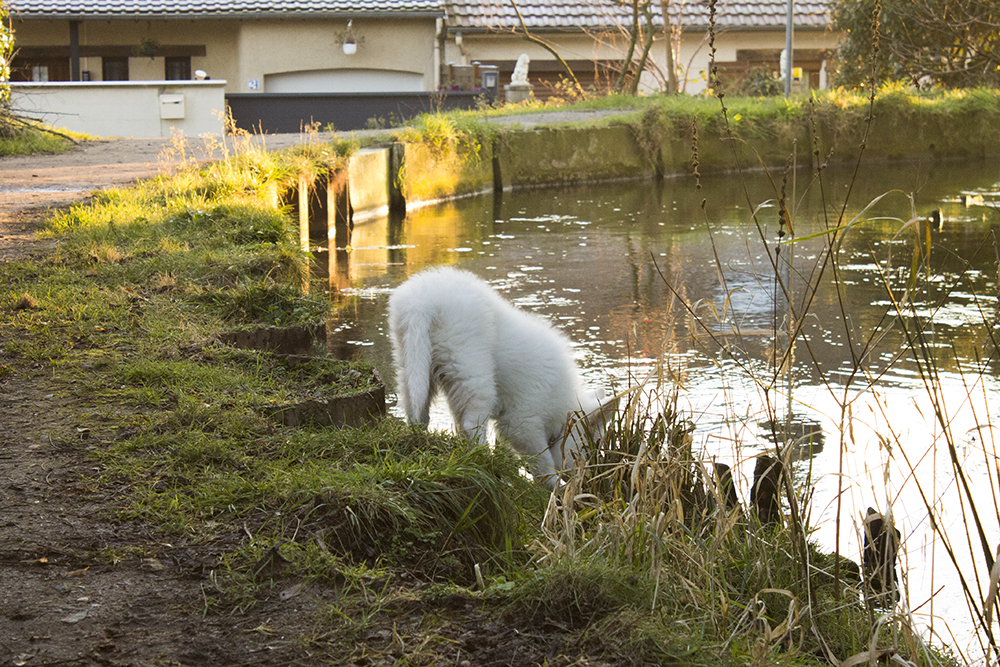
(520, 76)
(519, 90)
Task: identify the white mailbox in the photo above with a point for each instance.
(172, 106)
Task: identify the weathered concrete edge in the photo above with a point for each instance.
(670, 148)
(297, 344)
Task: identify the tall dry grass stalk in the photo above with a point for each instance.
(646, 500)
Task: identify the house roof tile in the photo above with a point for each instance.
(234, 8)
(500, 15)
(461, 14)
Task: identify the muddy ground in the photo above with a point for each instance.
(80, 587)
(77, 587)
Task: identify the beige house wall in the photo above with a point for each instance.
(268, 47)
(242, 51)
(492, 47)
(693, 58)
(246, 52)
(695, 51)
(219, 37)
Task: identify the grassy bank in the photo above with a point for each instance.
(19, 137)
(463, 151)
(414, 548)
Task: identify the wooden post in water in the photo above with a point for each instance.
(397, 201)
(337, 232)
(331, 230)
(765, 495)
(881, 547)
(725, 486)
(304, 187)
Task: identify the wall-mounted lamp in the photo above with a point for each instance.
(350, 41)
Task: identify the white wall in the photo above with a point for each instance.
(124, 108)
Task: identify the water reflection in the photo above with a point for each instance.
(608, 261)
(640, 272)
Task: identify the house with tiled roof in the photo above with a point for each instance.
(592, 38)
(276, 46)
(336, 48)
(289, 46)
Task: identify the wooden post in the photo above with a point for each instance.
(331, 208)
(337, 233)
(765, 496)
(331, 229)
(304, 187)
(74, 51)
(397, 201)
(879, 560)
(725, 486)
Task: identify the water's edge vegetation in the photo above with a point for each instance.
(400, 533)
(463, 152)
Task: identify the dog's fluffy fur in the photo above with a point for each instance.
(452, 333)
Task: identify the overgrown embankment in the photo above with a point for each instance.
(464, 152)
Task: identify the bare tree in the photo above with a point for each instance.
(953, 44)
(6, 53)
(668, 34)
(639, 33)
(548, 47)
(637, 25)
(646, 34)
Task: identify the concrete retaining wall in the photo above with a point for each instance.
(125, 108)
(431, 173)
(657, 145)
(568, 155)
(368, 175)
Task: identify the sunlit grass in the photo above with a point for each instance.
(22, 137)
(707, 106)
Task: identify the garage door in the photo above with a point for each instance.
(344, 81)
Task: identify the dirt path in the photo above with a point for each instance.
(32, 185)
(77, 588)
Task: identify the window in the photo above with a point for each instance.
(114, 69)
(37, 68)
(177, 68)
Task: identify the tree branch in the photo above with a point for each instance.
(545, 45)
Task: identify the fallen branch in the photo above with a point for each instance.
(11, 122)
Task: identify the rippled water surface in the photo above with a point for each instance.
(640, 272)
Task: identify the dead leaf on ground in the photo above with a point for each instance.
(76, 617)
(290, 592)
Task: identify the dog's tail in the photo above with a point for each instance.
(411, 351)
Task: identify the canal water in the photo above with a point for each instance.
(888, 364)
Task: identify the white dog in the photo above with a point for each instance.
(451, 332)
